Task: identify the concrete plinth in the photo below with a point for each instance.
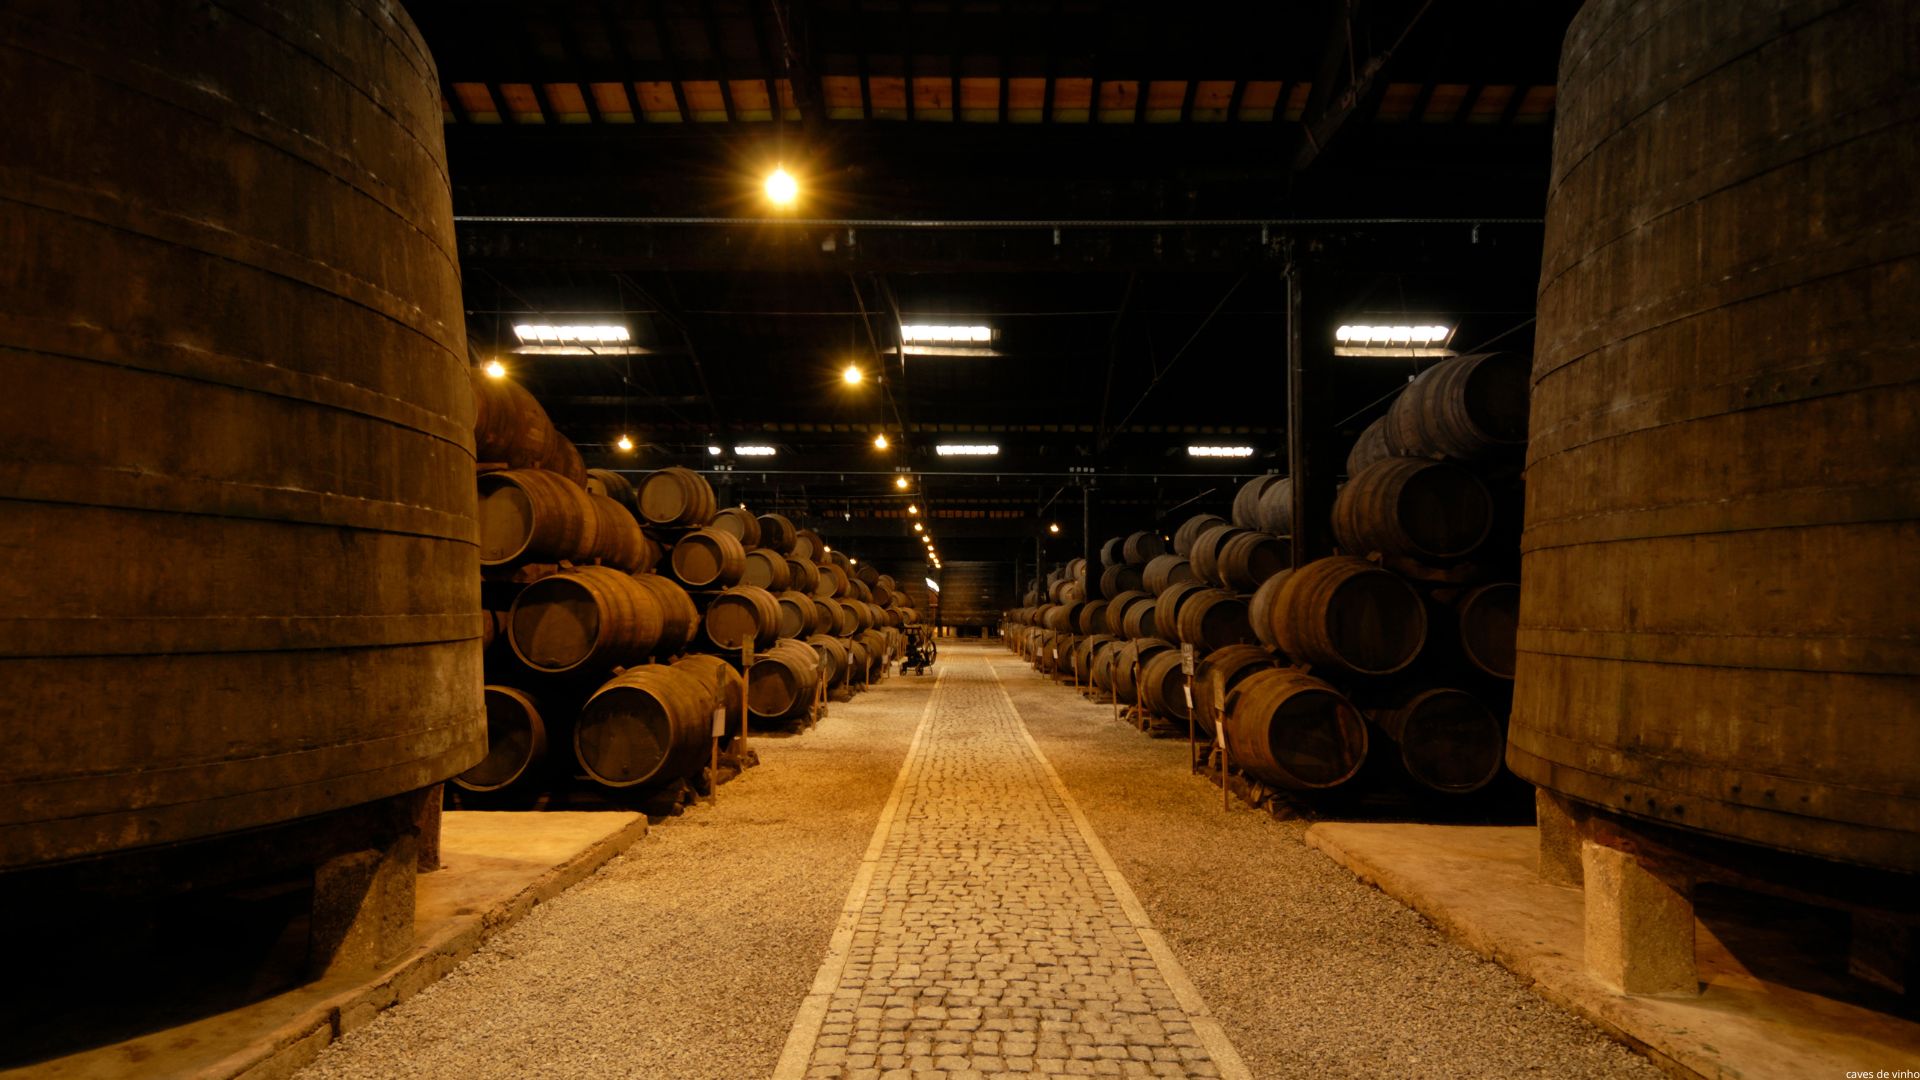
(1639, 926)
(494, 868)
(1482, 885)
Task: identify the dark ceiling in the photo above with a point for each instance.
(1120, 192)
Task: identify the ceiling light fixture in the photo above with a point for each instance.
(967, 449)
(1054, 528)
(1393, 340)
(754, 450)
(852, 375)
(900, 482)
(912, 509)
(880, 441)
(932, 584)
(714, 451)
(917, 528)
(781, 188)
(1219, 451)
(624, 443)
(495, 369)
(560, 333)
(967, 335)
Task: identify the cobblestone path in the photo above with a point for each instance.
(988, 933)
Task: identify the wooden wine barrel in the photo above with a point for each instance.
(675, 496)
(1138, 650)
(739, 521)
(1165, 570)
(1274, 511)
(1163, 684)
(796, 614)
(1420, 509)
(845, 622)
(826, 617)
(1213, 619)
(1104, 652)
(1190, 530)
(768, 569)
(781, 682)
(1489, 617)
(707, 559)
(809, 545)
(650, 725)
(834, 657)
(237, 506)
(1246, 502)
(1217, 673)
(835, 581)
(1166, 607)
(1446, 740)
(617, 539)
(1092, 618)
(1139, 621)
(1293, 730)
(1205, 555)
(878, 653)
(1464, 408)
(531, 515)
(1117, 611)
(724, 680)
(614, 486)
(742, 614)
(1350, 615)
(1370, 447)
(778, 533)
(679, 618)
(1124, 577)
(1247, 559)
(510, 428)
(856, 662)
(1261, 609)
(589, 619)
(1717, 630)
(803, 575)
(1083, 652)
(1111, 553)
(516, 742)
(1141, 547)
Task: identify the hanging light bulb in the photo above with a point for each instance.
(916, 527)
(900, 482)
(624, 443)
(495, 369)
(880, 441)
(912, 509)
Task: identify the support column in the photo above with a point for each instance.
(1296, 414)
(1560, 857)
(1639, 925)
(363, 898)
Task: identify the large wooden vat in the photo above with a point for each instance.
(241, 582)
(1718, 629)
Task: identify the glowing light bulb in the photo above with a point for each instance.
(852, 375)
(880, 442)
(912, 509)
(900, 482)
(624, 443)
(1055, 529)
(916, 527)
(495, 369)
(782, 188)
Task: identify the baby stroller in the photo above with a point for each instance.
(921, 651)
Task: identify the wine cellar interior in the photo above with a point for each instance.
(960, 539)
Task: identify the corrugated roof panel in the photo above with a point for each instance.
(612, 101)
(750, 100)
(788, 108)
(1211, 98)
(1258, 99)
(1118, 99)
(1397, 102)
(889, 96)
(1488, 107)
(980, 100)
(1444, 103)
(657, 102)
(1026, 100)
(1072, 100)
(1537, 106)
(933, 97)
(842, 96)
(1297, 101)
(704, 103)
(1165, 100)
(477, 100)
(521, 104)
(568, 103)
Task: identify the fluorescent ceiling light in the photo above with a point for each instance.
(1392, 340)
(967, 449)
(716, 452)
(932, 584)
(949, 350)
(754, 451)
(1219, 451)
(946, 335)
(596, 333)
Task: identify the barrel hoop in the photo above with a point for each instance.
(25, 639)
(74, 203)
(131, 489)
(1834, 653)
(97, 345)
(1795, 508)
(105, 63)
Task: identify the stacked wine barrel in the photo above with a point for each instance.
(620, 614)
(1390, 661)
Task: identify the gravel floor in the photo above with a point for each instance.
(1312, 973)
(688, 956)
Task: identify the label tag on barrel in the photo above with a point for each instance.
(1186, 658)
(720, 722)
(1220, 732)
(1188, 690)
